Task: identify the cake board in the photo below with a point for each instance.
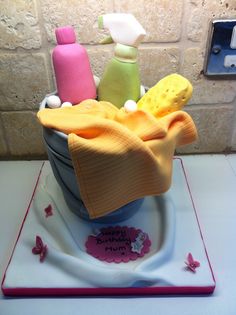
(170, 221)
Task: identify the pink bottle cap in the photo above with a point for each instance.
(65, 35)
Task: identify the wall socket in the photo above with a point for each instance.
(220, 59)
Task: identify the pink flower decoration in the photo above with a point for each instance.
(191, 263)
(48, 211)
(40, 249)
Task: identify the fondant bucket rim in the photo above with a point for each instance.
(43, 105)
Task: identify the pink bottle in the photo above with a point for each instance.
(74, 77)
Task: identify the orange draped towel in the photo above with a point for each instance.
(119, 157)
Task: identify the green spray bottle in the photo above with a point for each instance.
(121, 81)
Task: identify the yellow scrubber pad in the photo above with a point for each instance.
(168, 95)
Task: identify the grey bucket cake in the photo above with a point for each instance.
(62, 167)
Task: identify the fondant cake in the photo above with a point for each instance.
(113, 208)
(55, 254)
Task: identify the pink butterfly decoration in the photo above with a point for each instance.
(191, 263)
(48, 211)
(40, 249)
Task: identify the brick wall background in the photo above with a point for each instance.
(175, 42)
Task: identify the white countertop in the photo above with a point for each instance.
(212, 179)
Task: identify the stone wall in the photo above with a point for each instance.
(175, 42)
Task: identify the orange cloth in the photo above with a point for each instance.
(119, 157)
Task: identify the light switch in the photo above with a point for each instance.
(233, 39)
(230, 61)
(221, 51)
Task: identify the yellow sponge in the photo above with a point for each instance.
(168, 95)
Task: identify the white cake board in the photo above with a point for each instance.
(170, 221)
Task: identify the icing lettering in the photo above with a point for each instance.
(118, 244)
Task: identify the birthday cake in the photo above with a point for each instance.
(106, 212)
